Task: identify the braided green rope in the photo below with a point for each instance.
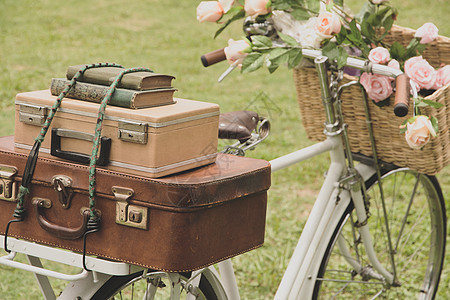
(98, 129)
(23, 190)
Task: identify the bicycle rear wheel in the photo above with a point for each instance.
(417, 229)
(160, 285)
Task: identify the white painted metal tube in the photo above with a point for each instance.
(309, 231)
(367, 238)
(359, 64)
(303, 154)
(69, 258)
(228, 279)
(40, 271)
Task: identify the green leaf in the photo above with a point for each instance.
(432, 103)
(421, 104)
(314, 5)
(403, 127)
(272, 68)
(289, 40)
(411, 49)
(366, 10)
(261, 41)
(354, 29)
(342, 58)
(252, 62)
(339, 2)
(335, 53)
(278, 55)
(434, 123)
(397, 51)
(341, 37)
(281, 4)
(239, 15)
(295, 56)
(300, 14)
(387, 24)
(421, 47)
(367, 30)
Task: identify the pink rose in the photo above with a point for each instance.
(378, 87)
(418, 132)
(421, 72)
(394, 64)
(379, 55)
(427, 33)
(209, 11)
(237, 50)
(442, 77)
(257, 7)
(327, 24)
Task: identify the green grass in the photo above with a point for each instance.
(39, 39)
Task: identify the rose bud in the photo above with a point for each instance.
(256, 8)
(418, 132)
(237, 50)
(209, 11)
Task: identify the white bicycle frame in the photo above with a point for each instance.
(338, 189)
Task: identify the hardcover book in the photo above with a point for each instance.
(121, 97)
(135, 81)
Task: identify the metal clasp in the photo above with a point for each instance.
(126, 213)
(8, 186)
(62, 185)
(133, 132)
(32, 114)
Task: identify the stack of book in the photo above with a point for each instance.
(135, 90)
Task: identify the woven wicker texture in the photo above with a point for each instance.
(390, 144)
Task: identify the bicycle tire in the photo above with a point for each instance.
(336, 279)
(133, 286)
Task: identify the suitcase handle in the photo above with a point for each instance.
(58, 230)
(58, 133)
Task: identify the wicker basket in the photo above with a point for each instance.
(390, 144)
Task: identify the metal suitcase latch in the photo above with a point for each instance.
(62, 185)
(133, 132)
(32, 114)
(126, 213)
(8, 187)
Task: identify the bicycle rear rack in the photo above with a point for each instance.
(36, 251)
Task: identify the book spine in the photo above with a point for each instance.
(105, 76)
(93, 93)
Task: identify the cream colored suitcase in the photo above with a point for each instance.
(151, 142)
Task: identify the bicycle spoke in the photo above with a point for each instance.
(407, 212)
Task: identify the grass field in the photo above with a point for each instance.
(39, 39)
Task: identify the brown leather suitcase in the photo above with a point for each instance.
(180, 222)
(151, 142)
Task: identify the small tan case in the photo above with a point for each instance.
(151, 142)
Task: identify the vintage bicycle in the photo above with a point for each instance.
(353, 244)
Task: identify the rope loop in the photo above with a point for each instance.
(98, 129)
